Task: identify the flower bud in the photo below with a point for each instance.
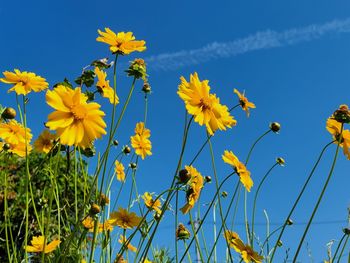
(182, 232)
(207, 179)
(146, 88)
(224, 194)
(6, 146)
(280, 161)
(342, 114)
(289, 222)
(275, 127)
(9, 113)
(346, 231)
(88, 152)
(279, 243)
(95, 209)
(132, 165)
(115, 142)
(126, 149)
(184, 176)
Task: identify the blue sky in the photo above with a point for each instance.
(298, 82)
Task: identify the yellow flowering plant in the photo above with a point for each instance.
(59, 197)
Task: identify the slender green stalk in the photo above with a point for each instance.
(176, 224)
(319, 199)
(255, 200)
(338, 247)
(6, 221)
(298, 199)
(342, 251)
(267, 239)
(196, 236)
(188, 253)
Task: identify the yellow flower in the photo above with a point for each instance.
(195, 186)
(13, 132)
(204, 106)
(38, 245)
(104, 88)
(75, 121)
(24, 82)
(247, 253)
(122, 240)
(119, 170)
(89, 224)
(140, 141)
(45, 142)
(240, 168)
(243, 101)
(334, 128)
(150, 203)
(123, 42)
(124, 219)
(19, 149)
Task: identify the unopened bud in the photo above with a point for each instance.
(132, 165)
(224, 194)
(104, 200)
(275, 127)
(126, 149)
(342, 114)
(115, 142)
(207, 179)
(279, 243)
(9, 113)
(280, 161)
(346, 231)
(182, 232)
(95, 209)
(146, 88)
(6, 146)
(289, 222)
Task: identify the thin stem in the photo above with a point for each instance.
(319, 199)
(298, 199)
(338, 247)
(342, 251)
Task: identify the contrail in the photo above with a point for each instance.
(261, 40)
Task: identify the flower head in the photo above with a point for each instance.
(123, 42)
(13, 132)
(182, 232)
(124, 219)
(195, 185)
(24, 82)
(204, 106)
(119, 171)
(150, 203)
(140, 141)
(240, 168)
(334, 127)
(247, 253)
(243, 101)
(45, 142)
(75, 121)
(104, 88)
(122, 240)
(37, 245)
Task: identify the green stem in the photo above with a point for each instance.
(319, 199)
(255, 199)
(338, 247)
(342, 251)
(298, 199)
(196, 237)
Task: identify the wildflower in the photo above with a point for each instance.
(275, 127)
(150, 203)
(88, 222)
(75, 121)
(38, 245)
(104, 88)
(95, 209)
(45, 142)
(13, 132)
(122, 240)
(240, 168)
(124, 219)
(105, 226)
(182, 232)
(20, 148)
(24, 82)
(121, 43)
(247, 253)
(334, 128)
(243, 101)
(8, 113)
(104, 200)
(195, 186)
(204, 106)
(184, 176)
(146, 88)
(140, 141)
(119, 170)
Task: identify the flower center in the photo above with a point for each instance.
(205, 103)
(79, 112)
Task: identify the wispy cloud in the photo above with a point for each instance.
(261, 40)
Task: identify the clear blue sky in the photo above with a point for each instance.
(298, 82)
